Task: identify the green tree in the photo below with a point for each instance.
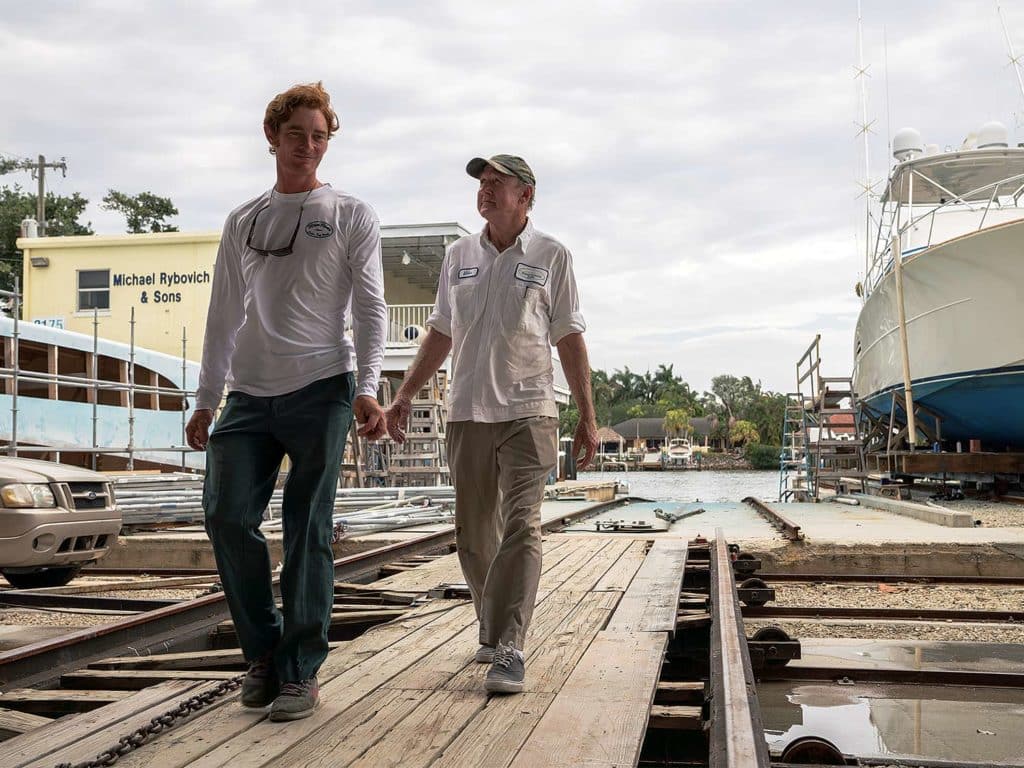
(62, 218)
(677, 422)
(144, 212)
(743, 432)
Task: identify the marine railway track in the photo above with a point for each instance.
(705, 711)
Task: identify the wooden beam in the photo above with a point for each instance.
(675, 718)
(59, 701)
(13, 723)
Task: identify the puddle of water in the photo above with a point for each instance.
(947, 723)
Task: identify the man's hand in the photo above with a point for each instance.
(370, 416)
(585, 440)
(398, 417)
(197, 431)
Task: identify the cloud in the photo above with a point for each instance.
(699, 159)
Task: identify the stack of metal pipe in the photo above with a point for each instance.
(176, 499)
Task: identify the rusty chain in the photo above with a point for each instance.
(157, 725)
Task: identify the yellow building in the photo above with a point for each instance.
(166, 279)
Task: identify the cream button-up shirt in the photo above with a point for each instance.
(504, 311)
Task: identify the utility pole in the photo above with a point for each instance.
(38, 169)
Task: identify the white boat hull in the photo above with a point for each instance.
(965, 326)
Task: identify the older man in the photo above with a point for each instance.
(504, 297)
(289, 263)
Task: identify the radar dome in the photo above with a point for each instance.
(992, 135)
(906, 144)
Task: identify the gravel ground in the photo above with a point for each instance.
(71, 621)
(992, 514)
(938, 596)
(180, 593)
(976, 633)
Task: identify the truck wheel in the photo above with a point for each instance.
(48, 577)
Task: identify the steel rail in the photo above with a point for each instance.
(177, 625)
(787, 527)
(737, 733)
(855, 676)
(16, 599)
(891, 614)
(893, 578)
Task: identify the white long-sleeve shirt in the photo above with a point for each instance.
(503, 312)
(276, 324)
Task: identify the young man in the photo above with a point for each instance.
(289, 262)
(504, 297)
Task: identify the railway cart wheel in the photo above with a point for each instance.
(811, 750)
(754, 583)
(768, 634)
(48, 577)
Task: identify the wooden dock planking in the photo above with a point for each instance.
(651, 600)
(409, 693)
(107, 735)
(599, 716)
(185, 743)
(619, 576)
(137, 679)
(494, 736)
(14, 723)
(195, 739)
(59, 701)
(46, 741)
(415, 740)
(349, 734)
(338, 694)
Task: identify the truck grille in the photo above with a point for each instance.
(90, 495)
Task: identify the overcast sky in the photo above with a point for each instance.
(700, 159)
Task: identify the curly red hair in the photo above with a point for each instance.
(311, 95)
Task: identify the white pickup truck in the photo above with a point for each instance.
(54, 519)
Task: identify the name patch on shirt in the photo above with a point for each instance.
(468, 272)
(529, 274)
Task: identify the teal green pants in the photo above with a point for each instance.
(248, 442)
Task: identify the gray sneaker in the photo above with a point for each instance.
(297, 700)
(260, 686)
(507, 672)
(484, 654)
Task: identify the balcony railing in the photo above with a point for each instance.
(404, 316)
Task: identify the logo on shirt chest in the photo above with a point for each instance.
(529, 274)
(320, 229)
(468, 272)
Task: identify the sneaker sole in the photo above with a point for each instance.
(502, 686)
(481, 658)
(284, 717)
(258, 704)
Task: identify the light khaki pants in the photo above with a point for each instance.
(499, 471)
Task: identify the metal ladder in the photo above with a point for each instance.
(793, 459)
(838, 446)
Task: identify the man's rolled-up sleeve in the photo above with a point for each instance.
(565, 317)
(441, 316)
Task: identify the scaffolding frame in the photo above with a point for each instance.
(94, 384)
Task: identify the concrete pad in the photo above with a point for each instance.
(923, 512)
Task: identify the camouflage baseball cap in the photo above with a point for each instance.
(510, 165)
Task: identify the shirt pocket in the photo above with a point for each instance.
(463, 301)
(527, 312)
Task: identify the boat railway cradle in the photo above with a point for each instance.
(637, 655)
